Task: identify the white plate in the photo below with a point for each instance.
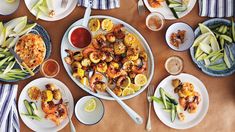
(60, 12)
(190, 119)
(188, 39)
(44, 125)
(166, 12)
(65, 45)
(89, 118)
(8, 8)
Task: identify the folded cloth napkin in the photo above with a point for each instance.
(100, 4)
(217, 8)
(9, 120)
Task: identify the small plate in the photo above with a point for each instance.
(45, 125)
(191, 120)
(166, 12)
(8, 8)
(89, 118)
(188, 39)
(60, 12)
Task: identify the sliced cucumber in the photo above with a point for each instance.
(180, 8)
(173, 112)
(227, 38)
(163, 97)
(28, 107)
(218, 67)
(233, 30)
(172, 5)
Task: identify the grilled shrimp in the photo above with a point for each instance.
(139, 68)
(118, 31)
(96, 82)
(59, 115)
(49, 107)
(110, 37)
(192, 107)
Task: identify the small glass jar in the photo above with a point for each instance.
(155, 21)
(50, 68)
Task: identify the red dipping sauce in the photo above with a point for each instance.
(80, 37)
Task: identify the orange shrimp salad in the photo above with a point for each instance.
(115, 54)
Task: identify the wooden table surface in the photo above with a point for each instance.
(220, 116)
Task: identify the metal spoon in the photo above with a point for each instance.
(136, 117)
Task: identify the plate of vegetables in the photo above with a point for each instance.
(170, 9)
(117, 51)
(213, 49)
(181, 101)
(50, 10)
(45, 105)
(16, 32)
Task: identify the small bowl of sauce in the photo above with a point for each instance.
(50, 68)
(79, 37)
(155, 21)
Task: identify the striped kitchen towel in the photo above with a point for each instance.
(100, 4)
(217, 8)
(9, 120)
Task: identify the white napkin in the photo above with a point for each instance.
(9, 120)
(217, 8)
(100, 4)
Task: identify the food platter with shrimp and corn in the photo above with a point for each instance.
(117, 52)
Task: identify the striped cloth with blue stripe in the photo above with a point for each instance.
(9, 119)
(100, 4)
(217, 8)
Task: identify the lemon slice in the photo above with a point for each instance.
(135, 87)
(127, 91)
(140, 80)
(10, 1)
(94, 24)
(85, 81)
(125, 83)
(90, 105)
(107, 24)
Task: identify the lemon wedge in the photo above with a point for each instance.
(90, 105)
(107, 24)
(135, 87)
(94, 24)
(85, 81)
(127, 91)
(140, 80)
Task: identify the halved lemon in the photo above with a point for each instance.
(90, 105)
(127, 91)
(10, 1)
(135, 87)
(94, 24)
(140, 80)
(107, 24)
(125, 83)
(129, 39)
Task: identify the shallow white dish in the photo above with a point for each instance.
(60, 12)
(191, 120)
(66, 45)
(8, 8)
(166, 12)
(188, 39)
(44, 125)
(89, 118)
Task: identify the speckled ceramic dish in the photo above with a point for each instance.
(201, 64)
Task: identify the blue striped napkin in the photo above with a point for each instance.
(100, 4)
(9, 120)
(217, 8)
